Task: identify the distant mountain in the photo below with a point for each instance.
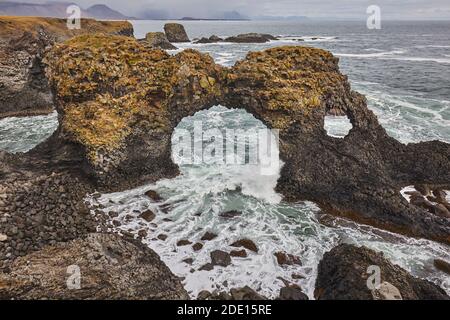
(58, 10)
(101, 11)
(151, 14)
(281, 18)
(231, 15)
(228, 15)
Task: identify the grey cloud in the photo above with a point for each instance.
(393, 9)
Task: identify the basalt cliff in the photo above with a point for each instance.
(118, 103)
(23, 43)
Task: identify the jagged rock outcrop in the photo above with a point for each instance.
(119, 111)
(23, 41)
(251, 38)
(175, 32)
(158, 40)
(240, 38)
(344, 271)
(211, 39)
(110, 267)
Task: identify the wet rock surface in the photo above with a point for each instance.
(245, 293)
(245, 243)
(220, 258)
(287, 259)
(434, 201)
(442, 265)
(343, 275)
(292, 293)
(110, 266)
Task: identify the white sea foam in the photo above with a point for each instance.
(370, 55)
(393, 55)
(408, 118)
(198, 196)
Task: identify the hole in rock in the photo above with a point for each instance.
(225, 200)
(231, 150)
(337, 126)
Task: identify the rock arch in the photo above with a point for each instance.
(119, 103)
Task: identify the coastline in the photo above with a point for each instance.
(110, 157)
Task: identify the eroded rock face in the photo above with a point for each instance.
(175, 32)
(110, 268)
(245, 293)
(23, 41)
(158, 40)
(119, 111)
(40, 204)
(121, 108)
(343, 274)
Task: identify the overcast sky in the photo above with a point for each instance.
(390, 9)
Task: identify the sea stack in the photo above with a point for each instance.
(175, 32)
(159, 40)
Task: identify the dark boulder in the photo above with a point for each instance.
(158, 40)
(220, 258)
(175, 32)
(442, 265)
(148, 215)
(284, 258)
(292, 293)
(212, 39)
(242, 294)
(251, 38)
(230, 214)
(183, 243)
(344, 275)
(110, 267)
(246, 243)
(152, 194)
(239, 253)
(208, 236)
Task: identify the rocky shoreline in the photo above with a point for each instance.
(117, 112)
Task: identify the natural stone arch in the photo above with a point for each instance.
(119, 103)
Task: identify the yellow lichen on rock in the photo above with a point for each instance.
(107, 85)
(292, 79)
(12, 26)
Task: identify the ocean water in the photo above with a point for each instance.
(403, 69)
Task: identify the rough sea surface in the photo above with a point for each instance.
(404, 71)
